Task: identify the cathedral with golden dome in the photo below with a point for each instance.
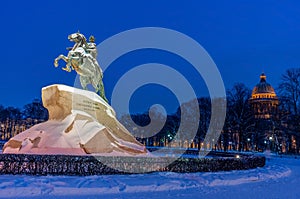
(264, 101)
(265, 108)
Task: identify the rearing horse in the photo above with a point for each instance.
(80, 60)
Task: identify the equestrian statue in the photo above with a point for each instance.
(82, 58)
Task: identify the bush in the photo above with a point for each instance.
(90, 165)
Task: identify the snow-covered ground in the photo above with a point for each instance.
(280, 178)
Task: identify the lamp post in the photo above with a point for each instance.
(248, 144)
(271, 143)
(265, 142)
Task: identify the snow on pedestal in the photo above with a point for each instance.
(80, 122)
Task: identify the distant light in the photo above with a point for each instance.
(248, 139)
(265, 142)
(270, 138)
(237, 156)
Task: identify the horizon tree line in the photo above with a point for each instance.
(241, 130)
(14, 120)
(33, 110)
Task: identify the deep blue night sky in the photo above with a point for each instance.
(244, 38)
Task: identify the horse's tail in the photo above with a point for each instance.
(101, 91)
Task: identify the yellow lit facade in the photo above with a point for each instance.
(264, 101)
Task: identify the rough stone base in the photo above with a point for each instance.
(80, 122)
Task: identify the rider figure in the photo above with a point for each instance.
(91, 47)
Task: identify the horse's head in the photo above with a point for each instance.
(77, 37)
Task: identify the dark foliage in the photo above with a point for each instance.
(33, 110)
(90, 165)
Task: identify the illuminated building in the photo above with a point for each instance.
(264, 101)
(264, 104)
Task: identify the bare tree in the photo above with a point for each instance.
(10, 113)
(239, 116)
(205, 114)
(289, 88)
(189, 121)
(2, 114)
(35, 110)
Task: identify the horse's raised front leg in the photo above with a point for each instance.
(57, 59)
(67, 68)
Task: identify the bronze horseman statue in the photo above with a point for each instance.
(80, 121)
(82, 58)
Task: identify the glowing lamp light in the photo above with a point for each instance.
(270, 138)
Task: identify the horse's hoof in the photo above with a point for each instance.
(67, 69)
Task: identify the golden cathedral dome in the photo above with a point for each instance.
(263, 90)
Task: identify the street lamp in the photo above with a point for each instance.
(248, 140)
(265, 142)
(270, 138)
